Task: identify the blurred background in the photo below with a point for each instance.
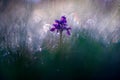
(28, 50)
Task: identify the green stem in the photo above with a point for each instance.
(60, 41)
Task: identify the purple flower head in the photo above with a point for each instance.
(61, 25)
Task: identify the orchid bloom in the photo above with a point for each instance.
(61, 25)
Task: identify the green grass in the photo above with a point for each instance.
(81, 57)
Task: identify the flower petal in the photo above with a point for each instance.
(69, 28)
(55, 25)
(57, 21)
(52, 29)
(63, 21)
(63, 17)
(68, 32)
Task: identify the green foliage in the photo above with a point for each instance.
(80, 56)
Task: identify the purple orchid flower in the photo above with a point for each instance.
(61, 25)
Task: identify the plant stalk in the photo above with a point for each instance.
(60, 41)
